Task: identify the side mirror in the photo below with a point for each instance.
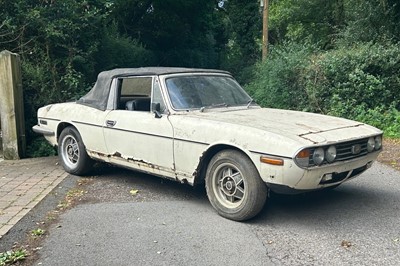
(156, 107)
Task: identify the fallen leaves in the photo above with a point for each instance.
(346, 244)
(72, 196)
(391, 153)
(134, 192)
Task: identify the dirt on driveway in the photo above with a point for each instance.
(391, 153)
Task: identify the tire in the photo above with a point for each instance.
(72, 152)
(234, 186)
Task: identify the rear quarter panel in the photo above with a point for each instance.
(87, 120)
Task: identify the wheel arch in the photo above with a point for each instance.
(61, 126)
(199, 175)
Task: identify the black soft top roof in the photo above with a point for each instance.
(97, 97)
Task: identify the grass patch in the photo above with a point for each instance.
(37, 232)
(12, 256)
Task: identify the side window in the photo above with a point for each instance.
(135, 93)
(157, 97)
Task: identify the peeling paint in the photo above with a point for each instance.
(118, 155)
(140, 161)
(197, 170)
(321, 131)
(314, 142)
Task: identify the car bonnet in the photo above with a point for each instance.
(309, 126)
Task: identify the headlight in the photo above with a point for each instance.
(318, 156)
(371, 144)
(330, 154)
(378, 142)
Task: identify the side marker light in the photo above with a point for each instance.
(273, 161)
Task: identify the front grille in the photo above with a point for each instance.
(345, 151)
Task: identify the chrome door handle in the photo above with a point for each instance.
(110, 123)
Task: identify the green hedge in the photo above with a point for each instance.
(360, 82)
(277, 81)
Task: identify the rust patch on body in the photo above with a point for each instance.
(117, 154)
(143, 162)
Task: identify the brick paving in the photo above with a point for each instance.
(23, 184)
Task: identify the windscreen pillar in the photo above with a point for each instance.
(12, 123)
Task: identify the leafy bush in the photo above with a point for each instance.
(39, 147)
(277, 81)
(360, 82)
(370, 20)
(345, 81)
(387, 119)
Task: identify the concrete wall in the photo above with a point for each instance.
(11, 107)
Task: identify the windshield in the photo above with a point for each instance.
(201, 91)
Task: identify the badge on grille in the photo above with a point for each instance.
(356, 149)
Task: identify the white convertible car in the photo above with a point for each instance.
(199, 126)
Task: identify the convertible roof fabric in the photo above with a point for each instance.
(97, 97)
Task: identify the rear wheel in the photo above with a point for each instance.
(72, 152)
(234, 186)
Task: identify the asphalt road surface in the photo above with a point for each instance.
(167, 223)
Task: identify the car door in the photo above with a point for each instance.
(135, 136)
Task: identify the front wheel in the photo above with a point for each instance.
(234, 186)
(72, 152)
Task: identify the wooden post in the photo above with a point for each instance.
(265, 9)
(1, 142)
(12, 107)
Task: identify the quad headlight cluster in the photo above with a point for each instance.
(316, 156)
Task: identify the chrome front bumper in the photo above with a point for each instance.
(44, 131)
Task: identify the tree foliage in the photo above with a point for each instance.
(317, 21)
(179, 32)
(64, 44)
(337, 57)
(242, 22)
(57, 41)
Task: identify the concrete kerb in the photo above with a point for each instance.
(23, 184)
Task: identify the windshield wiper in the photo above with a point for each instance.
(250, 102)
(213, 106)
